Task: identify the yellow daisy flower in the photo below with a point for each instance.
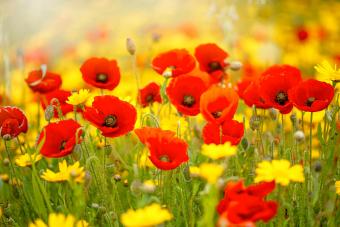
(327, 71)
(151, 215)
(280, 171)
(79, 98)
(57, 220)
(214, 151)
(209, 171)
(65, 173)
(337, 187)
(27, 159)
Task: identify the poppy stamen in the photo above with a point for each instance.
(310, 101)
(149, 98)
(62, 146)
(110, 121)
(188, 100)
(164, 158)
(217, 114)
(214, 65)
(281, 98)
(101, 78)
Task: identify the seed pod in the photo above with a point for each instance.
(7, 137)
(117, 177)
(49, 112)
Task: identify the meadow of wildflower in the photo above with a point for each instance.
(169, 113)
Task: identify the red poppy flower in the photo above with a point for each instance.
(211, 59)
(166, 151)
(275, 83)
(224, 222)
(252, 96)
(178, 61)
(234, 191)
(101, 73)
(62, 96)
(43, 83)
(311, 95)
(232, 131)
(149, 94)
(185, 93)
(112, 116)
(218, 104)
(12, 121)
(59, 138)
(302, 34)
(251, 208)
(148, 132)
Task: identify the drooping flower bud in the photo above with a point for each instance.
(49, 112)
(130, 46)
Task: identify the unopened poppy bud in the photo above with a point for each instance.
(235, 65)
(299, 136)
(245, 143)
(293, 118)
(135, 186)
(7, 137)
(317, 166)
(273, 114)
(255, 122)
(49, 112)
(156, 37)
(95, 205)
(6, 161)
(329, 115)
(117, 177)
(130, 46)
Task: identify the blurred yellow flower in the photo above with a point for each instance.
(151, 215)
(327, 71)
(337, 187)
(209, 171)
(214, 151)
(315, 154)
(27, 159)
(280, 171)
(65, 173)
(58, 220)
(79, 98)
(4, 177)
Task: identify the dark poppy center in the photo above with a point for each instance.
(110, 121)
(149, 98)
(188, 100)
(310, 101)
(281, 98)
(214, 65)
(217, 114)
(101, 78)
(164, 158)
(62, 145)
